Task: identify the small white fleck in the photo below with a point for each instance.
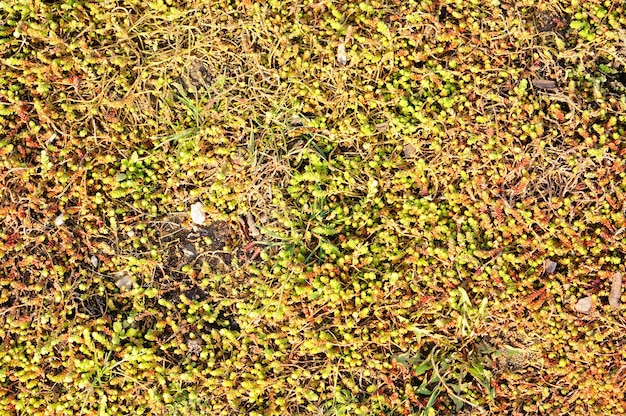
(60, 220)
(51, 138)
(189, 253)
(197, 216)
(94, 261)
(130, 233)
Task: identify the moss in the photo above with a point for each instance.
(377, 224)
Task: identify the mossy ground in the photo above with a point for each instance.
(383, 183)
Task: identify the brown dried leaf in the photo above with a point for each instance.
(616, 290)
(544, 84)
(252, 228)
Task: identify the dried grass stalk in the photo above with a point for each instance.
(616, 290)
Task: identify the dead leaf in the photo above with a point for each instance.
(348, 37)
(252, 228)
(616, 290)
(584, 305)
(342, 59)
(544, 84)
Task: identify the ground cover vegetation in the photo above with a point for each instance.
(399, 207)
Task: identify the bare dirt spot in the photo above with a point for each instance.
(207, 249)
(190, 245)
(196, 76)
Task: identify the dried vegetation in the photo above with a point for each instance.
(401, 207)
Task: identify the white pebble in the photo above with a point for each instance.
(60, 220)
(197, 216)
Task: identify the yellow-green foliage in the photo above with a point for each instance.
(377, 222)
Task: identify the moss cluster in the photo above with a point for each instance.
(384, 182)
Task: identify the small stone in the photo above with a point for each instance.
(584, 305)
(197, 214)
(195, 346)
(189, 251)
(549, 266)
(409, 150)
(124, 281)
(94, 261)
(544, 84)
